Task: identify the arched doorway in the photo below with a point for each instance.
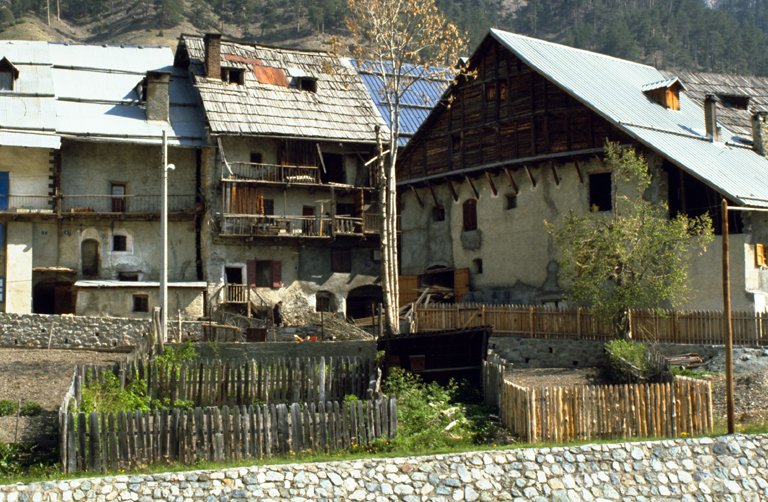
(363, 301)
(89, 256)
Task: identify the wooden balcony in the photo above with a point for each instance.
(127, 204)
(235, 293)
(27, 204)
(271, 173)
(312, 227)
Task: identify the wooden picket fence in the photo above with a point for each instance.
(526, 321)
(238, 383)
(581, 413)
(108, 443)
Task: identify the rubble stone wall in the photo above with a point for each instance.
(705, 469)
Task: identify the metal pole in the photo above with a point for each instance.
(727, 323)
(164, 238)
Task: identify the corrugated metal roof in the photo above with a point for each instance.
(415, 104)
(663, 84)
(614, 89)
(340, 109)
(138, 284)
(30, 140)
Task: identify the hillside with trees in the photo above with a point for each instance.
(727, 36)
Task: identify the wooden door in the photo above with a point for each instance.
(409, 289)
(460, 284)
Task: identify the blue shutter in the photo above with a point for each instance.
(4, 190)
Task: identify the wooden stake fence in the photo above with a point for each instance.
(107, 443)
(663, 326)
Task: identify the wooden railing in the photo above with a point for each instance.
(664, 326)
(347, 225)
(126, 203)
(273, 173)
(235, 293)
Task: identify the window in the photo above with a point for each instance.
(341, 260)
(438, 213)
(308, 84)
(334, 168)
(118, 198)
(376, 255)
(269, 207)
(600, 192)
(89, 255)
(141, 303)
(477, 266)
(8, 75)
(511, 202)
(323, 302)
(255, 157)
(233, 275)
(265, 273)
(470, 214)
(128, 276)
(343, 209)
(119, 243)
(734, 101)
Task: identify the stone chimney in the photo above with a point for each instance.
(213, 55)
(760, 132)
(710, 117)
(157, 95)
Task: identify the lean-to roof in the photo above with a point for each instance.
(271, 103)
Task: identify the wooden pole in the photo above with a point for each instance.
(727, 323)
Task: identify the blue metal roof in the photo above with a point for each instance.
(415, 104)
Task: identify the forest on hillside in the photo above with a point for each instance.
(730, 38)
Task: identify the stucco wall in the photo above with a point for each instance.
(29, 169)
(118, 302)
(725, 468)
(18, 273)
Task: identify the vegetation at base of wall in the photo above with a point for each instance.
(107, 395)
(626, 360)
(690, 373)
(8, 407)
(31, 409)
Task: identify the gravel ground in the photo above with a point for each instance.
(42, 376)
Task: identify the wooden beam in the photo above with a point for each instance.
(578, 171)
(416, 194)
(432, 191)
(530, 177)
(600, 161)
(490, 182)
(453, 192)
(512, 181)
(472, 186)
(554, 173)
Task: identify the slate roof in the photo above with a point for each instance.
(270, 104)
(613, 88)
(699, 84)
(89, 92)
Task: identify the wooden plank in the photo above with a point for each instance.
(236, 434)
(323, 436)
(94, 447)
(123, 453)
(267, 438)
(297, 429)
(226, 432)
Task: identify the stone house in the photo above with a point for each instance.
(79, 180)
(519, 140)
(291, 196)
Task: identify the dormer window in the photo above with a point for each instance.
(233, 76)
(666, 92)
(302, 80)
(734, 101)
(141, 90)
(308, 84)
(8, 75)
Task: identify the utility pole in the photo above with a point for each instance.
(727, 323)
(164, 237)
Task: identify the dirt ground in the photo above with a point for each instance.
(750, 390)
(42, 376)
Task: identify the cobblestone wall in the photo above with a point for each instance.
(555, 353)
(729, 468)
(33, 330)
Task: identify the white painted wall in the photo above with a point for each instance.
(18, 273)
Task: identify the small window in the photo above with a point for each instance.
(600, 192)
(269, 207)
(255, 157)
(341, 260)
(376, 255)
(438, 213)
(265, 274)
(8, 75)
(511, 202)
(308, 84)
(234, 76)
(119, 243)
(141, 303)
(477, 266)
(470, 214)
(141, 90)
(323, 302)
(734, 101)
(128, 276)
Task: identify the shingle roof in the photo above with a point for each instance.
(699, 84)
(613, 88)
(340, 109)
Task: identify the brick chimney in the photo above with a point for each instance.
(760, 132)
(710, 117)
(157, 95)
(213, 55)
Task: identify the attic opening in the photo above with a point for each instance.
(666, 93)
(600, 192)
(8, 75)
(307, 84)
(737, 102)
(233, 76)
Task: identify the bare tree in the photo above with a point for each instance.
(400, 42)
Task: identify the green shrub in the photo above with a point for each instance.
(31, 409)
(107, 395)
(174, 356)
(9, 457)
(6, 16)
(690, 373)
(628, 360)
(7, 407)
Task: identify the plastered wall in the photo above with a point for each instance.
(118, 302)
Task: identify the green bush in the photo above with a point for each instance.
(31, 409)
(9, 457)
(174, 356)
(107, 395)
(7, 407)
(6, 16)
(628, 360)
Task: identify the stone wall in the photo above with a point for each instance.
(33, 330)
(555, 353)
(706, 469)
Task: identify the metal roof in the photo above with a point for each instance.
(137, 284)
(613, 88)
(663, 84)
(89, 92)
(415, 104)
(340, 109)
